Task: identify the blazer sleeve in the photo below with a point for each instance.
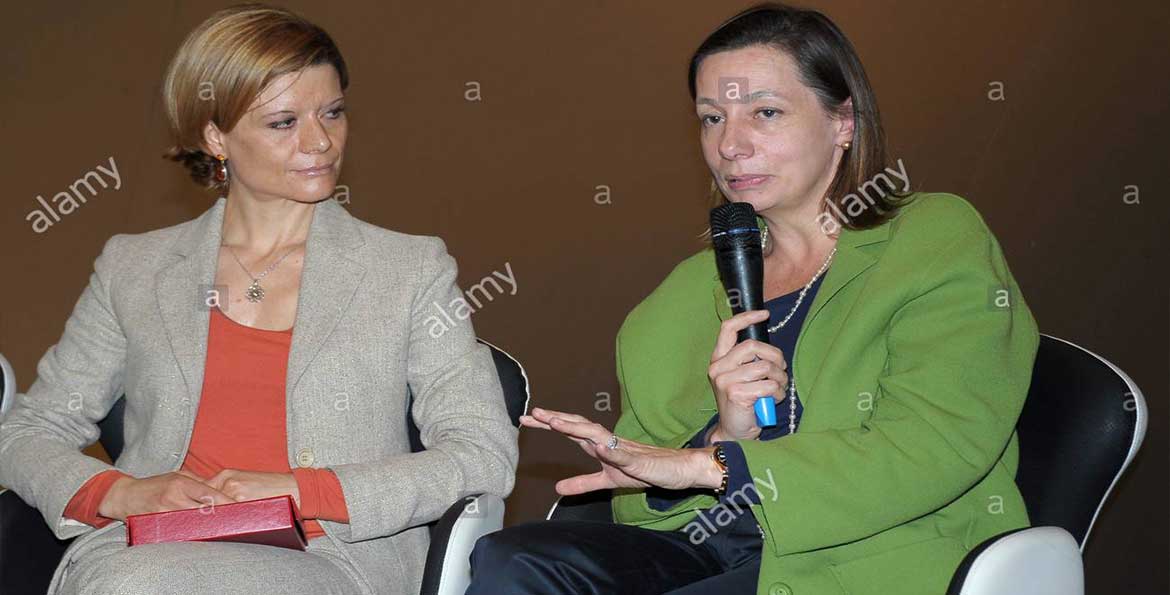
(461, 415)
(638, 506)
(41, 437)
(960, 355)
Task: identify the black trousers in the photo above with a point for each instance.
(608, 558)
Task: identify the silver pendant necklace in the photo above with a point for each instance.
(255, 293)
(792, 377)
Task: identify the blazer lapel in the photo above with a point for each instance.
(183, 290)
(329, 280)
(849, 262)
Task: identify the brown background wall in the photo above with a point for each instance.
(584, 94)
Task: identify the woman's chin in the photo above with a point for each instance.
(757, 201)
(315, 189)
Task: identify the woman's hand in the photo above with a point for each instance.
(631, 464)
(182, 490)
(740, 375)
(169, 491)
(253, 485)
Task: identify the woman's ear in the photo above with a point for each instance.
(845, 122)
(213, 140)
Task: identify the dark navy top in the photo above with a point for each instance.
(738, 477)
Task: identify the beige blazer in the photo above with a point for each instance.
(140, 328)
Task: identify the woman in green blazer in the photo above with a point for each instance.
(912, 358)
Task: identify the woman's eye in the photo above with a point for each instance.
(706, 120)
(282, 123)
(769, 113)
(337, 112)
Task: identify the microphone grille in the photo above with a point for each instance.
(733, 215)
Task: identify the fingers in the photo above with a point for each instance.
(729, 330)
(540, 418)
(751, 350)
(591, 437)
(595, 433)
(544, 415)
(531, 422)
(543, 418)
(581, 484)
(746, 395)
(201, 494)
(760, 371)
(746, 353)
(186, 473)
(216, 481)
(744, 384)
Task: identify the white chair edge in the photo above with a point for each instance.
(9, 385)
(1034, 561)
(488, 517)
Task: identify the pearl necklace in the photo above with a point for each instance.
(791, 377)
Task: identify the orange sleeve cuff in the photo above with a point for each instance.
(321, 495)
(84, 504)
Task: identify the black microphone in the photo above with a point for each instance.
(740, 260)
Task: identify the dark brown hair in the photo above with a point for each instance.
(828, 65)
(224, 64)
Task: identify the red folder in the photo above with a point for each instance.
(267, 521)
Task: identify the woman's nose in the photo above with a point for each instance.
(734, 144)
(315, 138)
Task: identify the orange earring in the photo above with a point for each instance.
(221, 172)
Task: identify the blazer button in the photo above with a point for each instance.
(305, 457)
(779, 589)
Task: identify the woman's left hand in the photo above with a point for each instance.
(631, 464)
(252, 485)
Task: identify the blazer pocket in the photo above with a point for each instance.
(922, 568)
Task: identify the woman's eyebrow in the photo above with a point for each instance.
(750, 97)
(288, 111)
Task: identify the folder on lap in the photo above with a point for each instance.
(268, 521)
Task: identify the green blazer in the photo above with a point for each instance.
(913, 365)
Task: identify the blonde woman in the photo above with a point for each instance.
(264, 348)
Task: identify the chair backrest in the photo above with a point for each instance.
(1081, 426)
(512, 377)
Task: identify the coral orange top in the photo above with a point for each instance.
(240, 425)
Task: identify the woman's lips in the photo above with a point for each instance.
(741, 182)
(315, 171)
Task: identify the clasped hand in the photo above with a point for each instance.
(183, 489)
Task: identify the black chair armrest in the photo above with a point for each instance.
(29, 552)
(453, 536)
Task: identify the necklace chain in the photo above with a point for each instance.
(255, 292)
(800, 298)
(791, 378)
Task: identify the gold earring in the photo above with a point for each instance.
(847, 145)
(221, 171)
